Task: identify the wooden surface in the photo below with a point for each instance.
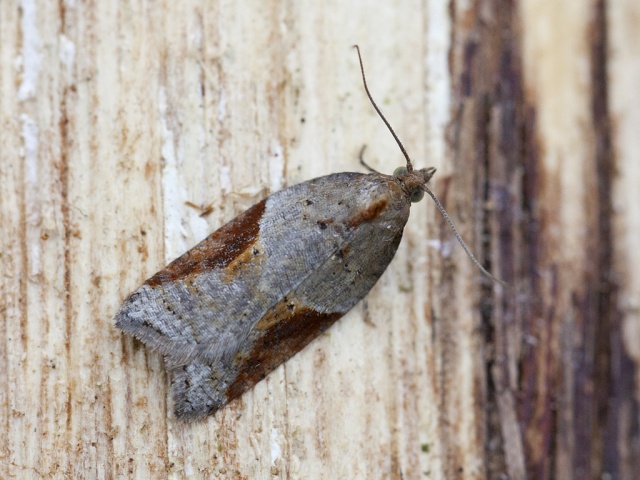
(115, 115)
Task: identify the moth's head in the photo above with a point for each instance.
(413, 181)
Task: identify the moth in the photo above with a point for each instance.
(259, 289)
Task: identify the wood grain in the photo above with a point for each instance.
(116, 116)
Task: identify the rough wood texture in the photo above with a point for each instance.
(116, 118)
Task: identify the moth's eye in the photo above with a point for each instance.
(417, 195)
(398, 172)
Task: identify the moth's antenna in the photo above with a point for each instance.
(459, 238)
(366, 89)
(426, 189)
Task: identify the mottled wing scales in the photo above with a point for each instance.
(200, 389)
(195, 390)
(295, 263)
(318, 302)
(163, 313)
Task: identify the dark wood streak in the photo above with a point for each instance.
(217, 250)
(370, 213)
(284, 331)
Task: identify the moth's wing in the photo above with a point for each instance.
(196, 390)
(323, 295)
(205, 303)
(192, 300)
(200, 388)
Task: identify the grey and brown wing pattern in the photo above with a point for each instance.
(259, 289)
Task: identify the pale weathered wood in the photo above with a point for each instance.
(114, 116)
(624, 76)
